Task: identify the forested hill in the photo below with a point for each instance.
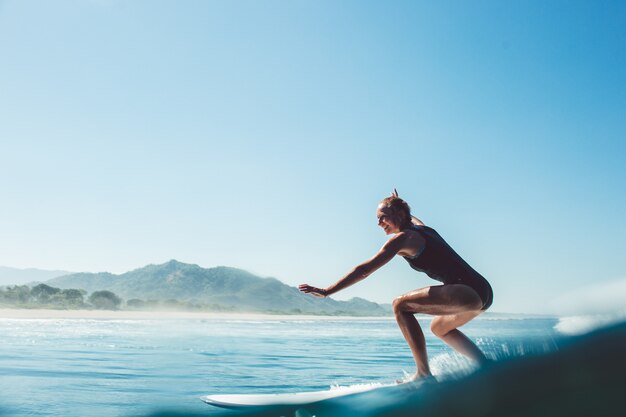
(221, 286)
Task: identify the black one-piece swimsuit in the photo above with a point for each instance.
(439, 261)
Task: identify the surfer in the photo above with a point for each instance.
(464, 295)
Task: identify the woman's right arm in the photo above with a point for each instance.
(362, 271)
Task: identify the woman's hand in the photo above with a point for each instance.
(318, 292)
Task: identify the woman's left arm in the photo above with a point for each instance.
(362, 271)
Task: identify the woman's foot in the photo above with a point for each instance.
(416, 377)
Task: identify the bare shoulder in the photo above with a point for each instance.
(397, 241)
(408, 242)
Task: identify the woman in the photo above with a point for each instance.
(464, 294)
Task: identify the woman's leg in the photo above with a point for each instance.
(446, 328)
(414, 336)
(443, 300)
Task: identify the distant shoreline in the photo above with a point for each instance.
(8, 313)
(42, 313)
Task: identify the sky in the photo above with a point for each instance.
(262, 135)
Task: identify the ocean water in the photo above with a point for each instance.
(88, 367)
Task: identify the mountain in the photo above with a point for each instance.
(15, 276)
(224, 286)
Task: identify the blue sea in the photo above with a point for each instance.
(111, 367)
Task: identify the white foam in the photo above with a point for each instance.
(356, 387)
(576, 325)
(588, 308)
(450, 366)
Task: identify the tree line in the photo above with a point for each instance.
(43, 295)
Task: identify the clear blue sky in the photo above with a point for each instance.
(262, 134)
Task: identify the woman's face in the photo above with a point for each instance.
(387, 220)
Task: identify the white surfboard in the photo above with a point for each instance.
(286, 399)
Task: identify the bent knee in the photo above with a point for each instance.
(405, 305)
(398, 305)
(401, 305)
(439, 329)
